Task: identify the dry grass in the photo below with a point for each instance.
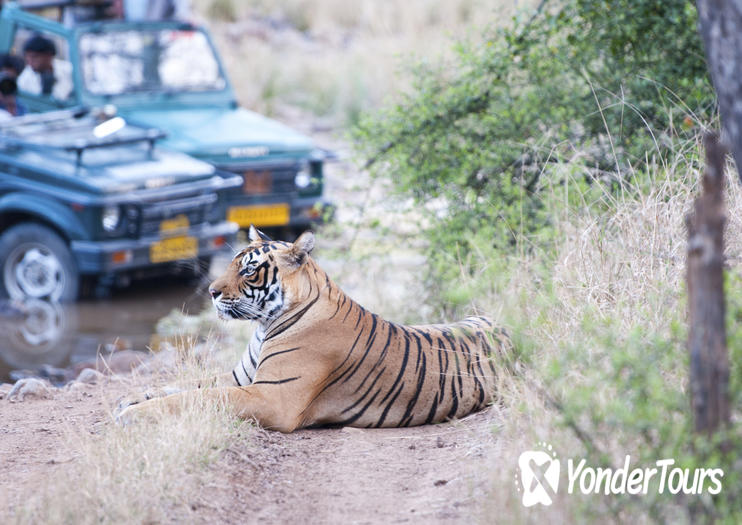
(140, 474)
(148, 472)
(617, 267)
(333, 58)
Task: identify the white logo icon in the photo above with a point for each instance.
(539, 474)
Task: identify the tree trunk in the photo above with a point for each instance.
(720, 24)
(709, 361)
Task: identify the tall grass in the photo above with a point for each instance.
(333, 59)
(148, 472)
(598, 315)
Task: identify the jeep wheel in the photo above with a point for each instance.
(36, 263)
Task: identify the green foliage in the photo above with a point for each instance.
(605, 85)
(632, 398)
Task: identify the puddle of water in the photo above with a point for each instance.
(38, 333)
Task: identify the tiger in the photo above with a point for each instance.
(319, 359)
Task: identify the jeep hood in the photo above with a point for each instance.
(208, 132)
(163, 169)
(118, 170)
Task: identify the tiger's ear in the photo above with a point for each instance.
(253, 234)
(297, 254)
(305, 242)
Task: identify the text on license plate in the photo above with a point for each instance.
(173, 249)
(267, 215)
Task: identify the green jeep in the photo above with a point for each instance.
(169, 75)
(85, 194)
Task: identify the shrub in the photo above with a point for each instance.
(598, 320)
(609, 86)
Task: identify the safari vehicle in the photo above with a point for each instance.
(168, 74)
(85, 194)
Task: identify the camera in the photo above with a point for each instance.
(8, 85)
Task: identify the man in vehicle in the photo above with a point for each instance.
(44, 74)
(11, 65)
(10, 106)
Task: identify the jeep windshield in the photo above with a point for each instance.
(116, 62)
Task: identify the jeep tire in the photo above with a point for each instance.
(36, 262)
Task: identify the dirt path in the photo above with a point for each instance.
(33, 437)
(418, 475)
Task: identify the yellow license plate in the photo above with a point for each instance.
(268, 215)
(173, 249)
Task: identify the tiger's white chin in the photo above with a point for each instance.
(228, 313)
(221, 312)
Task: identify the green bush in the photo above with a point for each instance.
(605, 85)
(632, 398)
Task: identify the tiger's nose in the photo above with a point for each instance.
(214, 293)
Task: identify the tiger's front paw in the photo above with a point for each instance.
(141, 397)
(129, 414)
(126, 405)
(132, 399)
(124, 416)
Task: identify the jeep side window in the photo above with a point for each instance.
(47, 71)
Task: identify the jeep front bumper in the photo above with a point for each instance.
(120, 255)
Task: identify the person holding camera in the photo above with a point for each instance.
(10, 68)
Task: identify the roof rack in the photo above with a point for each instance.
(50, 116)
(136, 134)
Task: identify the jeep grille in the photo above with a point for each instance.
(195, 209)
(265, 180)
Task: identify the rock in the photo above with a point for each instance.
(54, 374)
(30, 387)
(4, 389)
(165, 359)
(119, 362)
(76, 386)
(90, 376)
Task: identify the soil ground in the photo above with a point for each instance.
(426, 474)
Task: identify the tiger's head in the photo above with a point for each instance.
(262, 281)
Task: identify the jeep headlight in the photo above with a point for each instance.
(111, 218)
(303, 178)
